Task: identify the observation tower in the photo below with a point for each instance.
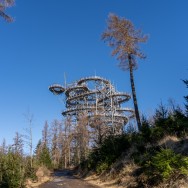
(95, 97)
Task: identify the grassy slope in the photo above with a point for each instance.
(129, 170)
(156, 157)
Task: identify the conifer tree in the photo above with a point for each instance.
(125, 39)
(43, 155)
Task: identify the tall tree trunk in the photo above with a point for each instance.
(65, 162)
(134, 93)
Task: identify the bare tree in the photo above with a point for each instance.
(97, 130)
(3, 5)
(18, 144)
(124, 39)
(45, 134)
(82, 135)
(3, 147)
(29, 134)
(68, 135)
(55, 152)
(65, 145)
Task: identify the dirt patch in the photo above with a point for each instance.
(66, 179)
(43, 175)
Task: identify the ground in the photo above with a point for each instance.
(66, 179)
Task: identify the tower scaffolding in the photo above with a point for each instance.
(95, 96)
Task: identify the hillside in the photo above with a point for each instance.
(125, 172)
(155, 157)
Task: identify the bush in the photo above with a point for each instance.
(101, 158)
(12, 171)
(101, 167)
(166, 163)
(170, 122)
(30, 172)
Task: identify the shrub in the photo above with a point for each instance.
(101, 167)
(12, 171)
(169, 122)
(111, 148)
(166, 163)
(30, 172)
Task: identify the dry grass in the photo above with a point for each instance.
(31, 184)
(95, 180)
(117, 177)
(124, 173)
(176, 144)
(43, 175)
(169, 142)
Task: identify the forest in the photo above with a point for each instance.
(151, 151)
(157, 153)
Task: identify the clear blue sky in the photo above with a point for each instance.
(50, 38)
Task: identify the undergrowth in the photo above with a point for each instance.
(156, 162)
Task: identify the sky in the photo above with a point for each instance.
(49, 40)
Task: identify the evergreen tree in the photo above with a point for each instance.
(124, 39)
(43, 155)
(12, 169)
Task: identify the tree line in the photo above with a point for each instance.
(63, 145)
(156, 156)
(93, 146)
